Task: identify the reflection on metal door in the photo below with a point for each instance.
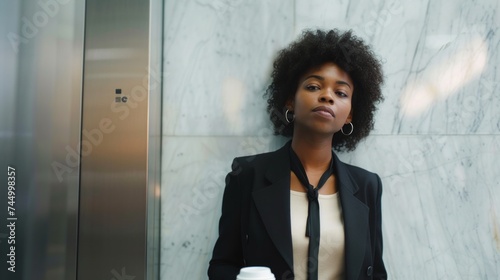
(114, 182)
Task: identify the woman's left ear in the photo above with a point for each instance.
(289, 104)
(349, 118)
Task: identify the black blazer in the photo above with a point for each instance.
(255, 226)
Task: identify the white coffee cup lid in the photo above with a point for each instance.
(255, 273)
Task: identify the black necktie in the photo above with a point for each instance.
(312, 226)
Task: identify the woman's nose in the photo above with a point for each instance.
(326, 96)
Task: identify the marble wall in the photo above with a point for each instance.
(436, 143)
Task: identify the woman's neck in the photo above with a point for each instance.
(315, 153)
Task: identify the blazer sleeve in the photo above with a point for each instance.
(378, 263)
(227, 258)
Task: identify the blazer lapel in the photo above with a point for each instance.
(356, 221)
(272, 201)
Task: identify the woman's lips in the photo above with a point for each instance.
(325, 111)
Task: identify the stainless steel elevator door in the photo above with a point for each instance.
(114, 145)
(41, 55)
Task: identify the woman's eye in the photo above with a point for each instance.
(312, 87)
(341, 94)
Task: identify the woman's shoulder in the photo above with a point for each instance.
(251, 162)
(252, 159)
(263, 159)
(359, 170)
(368, 185)
(361, 175)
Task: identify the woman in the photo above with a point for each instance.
(300, 210)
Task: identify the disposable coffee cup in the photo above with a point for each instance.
(255, 273)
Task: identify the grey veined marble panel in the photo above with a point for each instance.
(439, 58)
(441, 218)
(218, 57)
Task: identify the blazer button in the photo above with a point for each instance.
(369, 271)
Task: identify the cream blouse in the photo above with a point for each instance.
(332, 242)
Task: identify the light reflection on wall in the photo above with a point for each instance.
(456, 64)
(233, 93)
